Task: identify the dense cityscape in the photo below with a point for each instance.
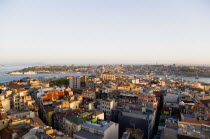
(106, 103)
(104, 69)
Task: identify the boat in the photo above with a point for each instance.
(6, 74)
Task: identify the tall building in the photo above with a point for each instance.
(75, 83)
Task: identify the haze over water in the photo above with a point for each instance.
(8, 68)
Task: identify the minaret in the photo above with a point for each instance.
(103, 69)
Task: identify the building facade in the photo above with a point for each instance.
(75, 82)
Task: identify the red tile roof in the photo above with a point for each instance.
(91, 89)
(69, 112)
(205, 102)
(196, 120)
(15, 86)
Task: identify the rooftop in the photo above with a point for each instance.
(125, 135)
(102, 126)
(88, 135)
(76, 120)
(193, 130)
(141, 115)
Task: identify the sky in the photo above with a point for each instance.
(105, 31)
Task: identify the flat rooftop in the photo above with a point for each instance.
(88, 135)
(101, 127)
(138, 114)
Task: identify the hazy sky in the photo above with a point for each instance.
(105, 31)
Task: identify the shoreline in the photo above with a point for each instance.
(62, 72)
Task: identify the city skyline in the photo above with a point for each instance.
(105, 32)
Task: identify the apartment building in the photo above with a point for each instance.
(21, 99)
(99, 130)
(106, 105)
(148, 99)
(75, 82)
(90, 93)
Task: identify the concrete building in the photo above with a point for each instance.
(90, 93)
(72, 124)
(148, 99)
(99, 130)
(106, 105)
(143, 119)
(21, 100)
(75, 82)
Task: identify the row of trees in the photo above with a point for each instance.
(59, 82)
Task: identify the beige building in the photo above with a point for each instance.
(4, 103)
(21, 100)
(128, 87)
(74, 105)
(90, 93)
(89, 106)
(107, 75)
